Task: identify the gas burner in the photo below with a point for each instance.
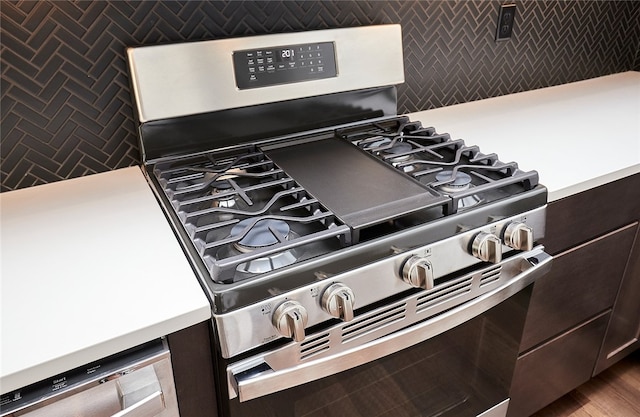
(221, 199)
(207, 188)
(392, 151)
(268, 263)
(397, 152)
(469, 201)
(452, 183)
(374, 144)
(224, 201)
(263, 234)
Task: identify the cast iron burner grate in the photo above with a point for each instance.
(244, 215)
(438, 162)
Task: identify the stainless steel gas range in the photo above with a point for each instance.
(357, 262)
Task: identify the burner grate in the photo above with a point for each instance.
(437, 161)
(225, 200)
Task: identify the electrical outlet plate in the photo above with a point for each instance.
(506, 18)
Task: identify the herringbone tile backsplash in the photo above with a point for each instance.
(66, 109)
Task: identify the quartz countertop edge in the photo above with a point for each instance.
(577, 136)
(90, 267)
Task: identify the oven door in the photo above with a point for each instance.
(458, 363)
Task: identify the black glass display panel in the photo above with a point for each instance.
(284, 64)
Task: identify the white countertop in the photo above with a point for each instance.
(90, 267)
(577, 136)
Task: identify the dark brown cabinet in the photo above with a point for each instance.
(193, 370)
(583, 282)
(550, 371)
(584, 315)
(623, 333)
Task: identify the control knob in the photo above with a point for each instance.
(487, 247)
(338, 300)
(289, 319)
(418, 272)
(519, 236)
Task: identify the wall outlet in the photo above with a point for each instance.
(506, 18)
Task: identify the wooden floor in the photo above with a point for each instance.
(613, 393)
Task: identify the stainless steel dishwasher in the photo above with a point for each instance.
(135, 383)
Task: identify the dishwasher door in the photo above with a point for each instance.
(135, 383)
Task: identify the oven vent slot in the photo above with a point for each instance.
(375, 322)
(314, 346)
(490, 276)
(441, 294)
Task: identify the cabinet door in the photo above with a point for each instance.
(581, 217)
(548, 372)
(624, 328)
(583, 282)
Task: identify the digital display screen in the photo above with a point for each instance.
(285, 64)
(287, 54)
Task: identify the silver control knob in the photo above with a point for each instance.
(338, 300)
(518, 236)
(487, 247)
(418, 272)
(289, 319)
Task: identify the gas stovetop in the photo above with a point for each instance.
(258, 208)
(301, 197)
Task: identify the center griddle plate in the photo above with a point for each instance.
(359, 189)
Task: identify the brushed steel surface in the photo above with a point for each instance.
(144, 387)
(338, 300)
(487, 247)
(418, 272)
(289, 319)
(518, 236)
(197, 77)
(286, 369)
(251, 326)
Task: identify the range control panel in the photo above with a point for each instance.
(284, 64)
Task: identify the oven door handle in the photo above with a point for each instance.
(259, 379)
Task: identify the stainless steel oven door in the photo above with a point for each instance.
(457, 363)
